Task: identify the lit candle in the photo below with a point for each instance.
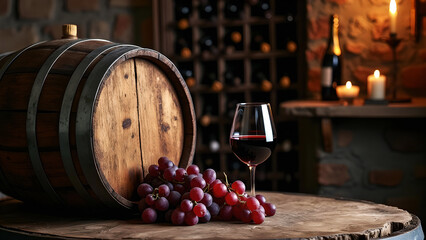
(347, 91)
(376, 86)
(392, 15)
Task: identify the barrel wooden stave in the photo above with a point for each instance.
(18, 80)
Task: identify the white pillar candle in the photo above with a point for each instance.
(376, 86)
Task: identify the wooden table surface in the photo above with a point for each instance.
(298, 216)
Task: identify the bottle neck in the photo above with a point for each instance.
(333, 41)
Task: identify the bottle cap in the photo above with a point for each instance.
(69, 31)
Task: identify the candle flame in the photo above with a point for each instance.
(392, 7)
(348, 84)
(377, 74)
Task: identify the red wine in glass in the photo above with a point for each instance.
(253, 136)
(252, 149)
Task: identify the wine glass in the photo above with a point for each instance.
(253, 136)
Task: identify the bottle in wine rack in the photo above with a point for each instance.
(233, 40)
(233, 9)
(206, 119)
(261, 8)
(285, 81)
(259, 43)
(208, 44)
(211, 79)
(182, 13)
(331, 69)
(232, 78)
(214, 144)
(291, 46)
(188, 75)
(208, 9)
(265, 84)
(183, 47)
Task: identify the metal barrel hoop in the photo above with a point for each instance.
(32, 119)
(84, 130)
(64, 120)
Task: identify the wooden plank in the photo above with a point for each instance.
(160, 115)
(415, 109)
(298, 216)
(116, 140)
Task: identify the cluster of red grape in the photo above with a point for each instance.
(187, 197)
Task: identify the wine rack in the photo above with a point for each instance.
(232, 51)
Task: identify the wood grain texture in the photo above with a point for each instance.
(160, 115)
(298, 216)
(116, 132)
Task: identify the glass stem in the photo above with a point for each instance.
(252, 179)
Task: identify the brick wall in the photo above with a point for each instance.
(380, 160)
(363, 25)
(25, 22)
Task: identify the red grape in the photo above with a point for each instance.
(206, 217)
(262, 209)
(219, 190)
(257, 216)
(179, 188)
(246, 215)
(180, 174)
(162, 204)
(169, 174)
(150, 199)
(226, 212)
(185, 196)
(207, 199)
(163, 190)
(231, 198)
(270, 209)
(237, 211)
(144, 189)
(190, 218)
(149, 215)
(186, 205)
(196, 194)
(252, 203)
(178, 217)
(200, 210)
(193, 169)
(164, 163)
(214, 209)
(261, 199)
(198, 182)
(239, 187)
(214, 183)
(209, 175)
(154, 170)
(174, 198)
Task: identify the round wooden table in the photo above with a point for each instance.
(298, 217)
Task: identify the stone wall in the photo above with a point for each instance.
(25, 22)
(363, 26)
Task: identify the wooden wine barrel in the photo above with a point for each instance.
(82, 119)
